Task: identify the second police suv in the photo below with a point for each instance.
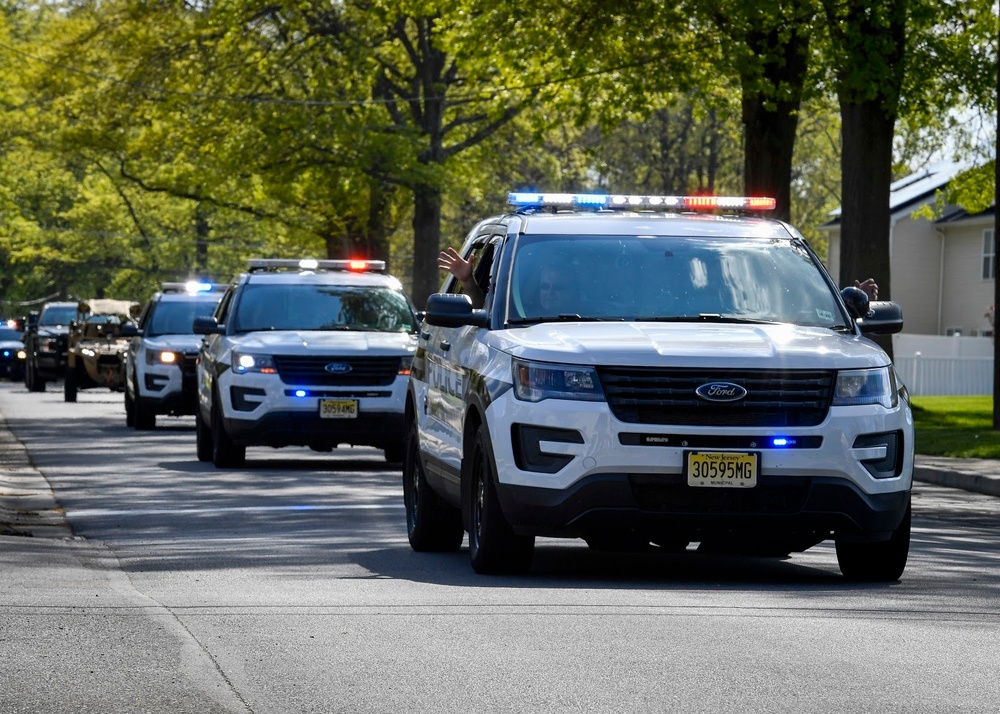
(311, 353)
(649, 372)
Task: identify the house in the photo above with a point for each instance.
(943, 268)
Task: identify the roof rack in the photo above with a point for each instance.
(308, 264)
(526, 201)
(192, 287)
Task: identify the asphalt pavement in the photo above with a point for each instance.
(28, 506)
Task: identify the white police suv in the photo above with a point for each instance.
(310, 353)
(652, 372)
(162, 354)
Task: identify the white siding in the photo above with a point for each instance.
(966, 295)
(915, 263)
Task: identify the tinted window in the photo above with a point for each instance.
(172, 317)
(322, 307)
(9, 335)
(647, 277)
(52, 316)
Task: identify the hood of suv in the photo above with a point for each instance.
(313, 342)
(690, 345)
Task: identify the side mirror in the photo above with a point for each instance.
(454, 310)
(207, 326)
(883, 318)
(130, 329)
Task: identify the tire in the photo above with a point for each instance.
(202, 437)
(494, 548)
(225, 453)
(881, 562)
(431, 524)
(129, 409)
(142, 418)
(69, 385)
(31, 379)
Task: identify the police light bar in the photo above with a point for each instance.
(358, 266)
(612, 201)
(191, 287)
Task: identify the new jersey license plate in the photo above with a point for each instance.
(338, 408)
(722, 469)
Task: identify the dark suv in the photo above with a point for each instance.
(45, 344)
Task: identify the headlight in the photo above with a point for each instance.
(866, 386)
(244, 362)
(167, 357)
(535, 381)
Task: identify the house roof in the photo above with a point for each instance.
(914, 189)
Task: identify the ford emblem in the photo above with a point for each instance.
(338, 368)
(721, 392)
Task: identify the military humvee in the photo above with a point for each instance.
(96, 347)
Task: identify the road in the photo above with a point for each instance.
(288, 586)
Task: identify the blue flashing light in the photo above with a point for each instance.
(782, 441)
(301, 393)
(196, 287)
(591, 200)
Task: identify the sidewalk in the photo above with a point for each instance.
(28, 507)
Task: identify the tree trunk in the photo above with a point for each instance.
(770, 117)
(866, 167)
(426, 242)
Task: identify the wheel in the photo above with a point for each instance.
(69, 385)
(142, 418)
(202, 437)
(129, 409)
(431, 524)
(493, 546)
(881, 562)
(225, 453)
(31, 379)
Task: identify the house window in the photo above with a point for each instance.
(989, 255)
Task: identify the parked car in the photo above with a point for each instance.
(45, 341)
(163, 352)
(12, 353)
(305, 353)
(652, 372)
(95, 353)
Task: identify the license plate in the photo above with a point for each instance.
(338, 408)
(722, 469)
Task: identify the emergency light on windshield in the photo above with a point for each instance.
(611, 201)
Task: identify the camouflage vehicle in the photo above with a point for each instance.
(96, 347)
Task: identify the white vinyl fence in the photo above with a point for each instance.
(935, 365)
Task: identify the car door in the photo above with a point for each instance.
(441, 408)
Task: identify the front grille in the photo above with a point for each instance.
(775, 398)
(364, 371)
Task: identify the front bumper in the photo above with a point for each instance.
(569, 468)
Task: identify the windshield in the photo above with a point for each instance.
(172, 317)
(61, 315)
(9, 335)
(322, 307)
(669, 278)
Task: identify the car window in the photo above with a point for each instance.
(57, 316)
(8, 335)
(322, 307)
(174, 317)
(654, 277)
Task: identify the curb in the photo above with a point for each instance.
(28, 507)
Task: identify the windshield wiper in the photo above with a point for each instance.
(563, 317)
(705, 317)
